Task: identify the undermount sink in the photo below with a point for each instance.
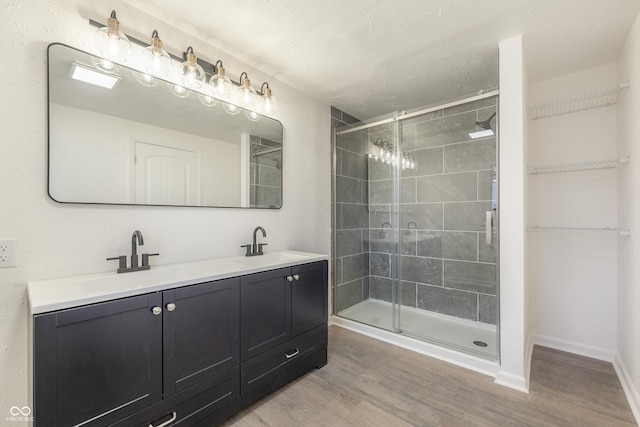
(140, 279)
(272, 258)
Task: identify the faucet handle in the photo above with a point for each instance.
(248, 246)
(260, 245)
(122, 261)
(145, 259)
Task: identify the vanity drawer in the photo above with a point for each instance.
(191, 405)
(267, 367)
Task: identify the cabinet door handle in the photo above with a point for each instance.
(289, 278)
(292, 354)
(166, 423)
(156, 310)
(171, 306)
(296, 277)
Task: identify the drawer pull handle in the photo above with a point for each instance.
(171, 306)
(156, 310)
(290, 278)
(293, 354)
(166, 423)
(296, 277)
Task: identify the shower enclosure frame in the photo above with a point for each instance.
(396, 274)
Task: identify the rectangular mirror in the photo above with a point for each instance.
(139, 143)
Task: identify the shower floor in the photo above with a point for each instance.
(448, 331)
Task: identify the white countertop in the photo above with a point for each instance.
(56, 294)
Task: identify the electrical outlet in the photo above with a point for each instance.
(7, 253)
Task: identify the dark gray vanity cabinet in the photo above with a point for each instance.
(284, 326)
(189, 356)
(138, 360)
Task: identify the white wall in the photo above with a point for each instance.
(56, 240)
(512, 208)
(573, 275)
(105, 173)
(628, 345)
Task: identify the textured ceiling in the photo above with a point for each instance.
(371, 57)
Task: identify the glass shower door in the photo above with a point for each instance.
(367, 238)
(448, 228)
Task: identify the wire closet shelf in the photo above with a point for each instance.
(620, 231)
(593, 99)
(578, 166)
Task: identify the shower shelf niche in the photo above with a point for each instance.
(579, 166)
(620, 231)
(571, 104)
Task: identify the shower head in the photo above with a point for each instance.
(486, 124)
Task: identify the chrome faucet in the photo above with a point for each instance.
(134, 249)
(255, 248)
(136, 239)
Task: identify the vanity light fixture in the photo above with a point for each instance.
(112, 43)
(92, 76)
(222, 85)
(247, 95)
(115, 47)
(268, 103)
(155, 60)
(385, 154)
(191, 73)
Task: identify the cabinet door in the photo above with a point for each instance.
(265, 311)
(201, 332)
(101, 362)
(309, 299)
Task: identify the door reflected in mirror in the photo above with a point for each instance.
(147, 142)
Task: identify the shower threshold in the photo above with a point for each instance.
(448, 331)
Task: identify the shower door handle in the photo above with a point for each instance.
(488, 228)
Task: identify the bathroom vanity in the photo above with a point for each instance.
(182, 345)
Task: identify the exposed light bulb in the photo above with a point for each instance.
(252, 115)
(231, 109)
(178, 90)
(268, 103)
(206, 100)
(191, 73)
(247, 95)
(155, 60)
(104, 65)
(145, 79)
(112, 43)
(222, 86)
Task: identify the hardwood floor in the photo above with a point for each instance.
(374, 384)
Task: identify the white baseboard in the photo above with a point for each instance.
(627, 385)
(573, 347)
(515, 382)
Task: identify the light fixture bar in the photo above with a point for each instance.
(92, 76)
(204, 64)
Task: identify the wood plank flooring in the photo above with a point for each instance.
(374, 384)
